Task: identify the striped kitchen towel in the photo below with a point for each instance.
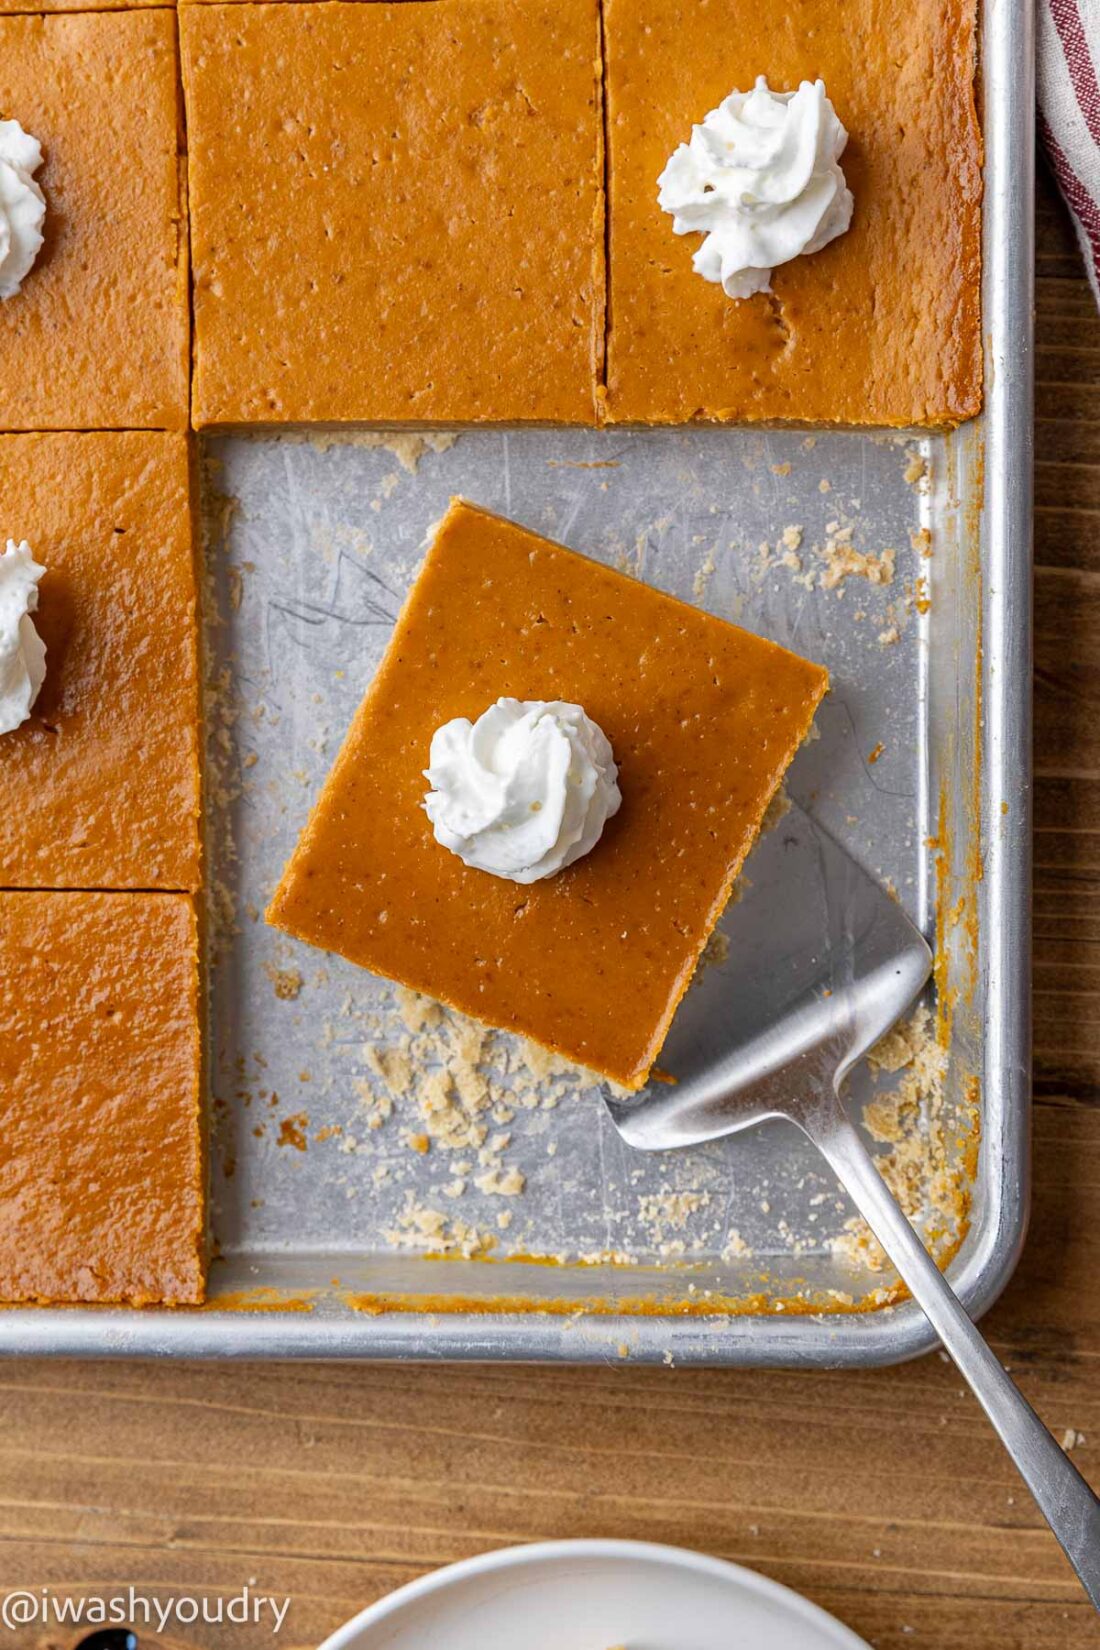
(1069, 113)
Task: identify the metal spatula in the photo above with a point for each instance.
(817, 984)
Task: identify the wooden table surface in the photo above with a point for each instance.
(881, 1495)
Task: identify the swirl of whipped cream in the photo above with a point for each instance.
(761, 179)
(22, 206)
(22, 650)
(523, 791)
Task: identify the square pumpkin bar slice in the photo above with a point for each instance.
(702, 719)
(396, 211)
(101, 1160)
(100, 783)
(96, 337)
(882, 325)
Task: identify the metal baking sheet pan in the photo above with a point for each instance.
(388, 1180)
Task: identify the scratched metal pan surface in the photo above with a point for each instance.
(351, 1218)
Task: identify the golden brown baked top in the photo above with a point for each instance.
(395, 210)
(703, 719)
(11, 6)
(98, 336)
(101, 786)
(101, 1165)
(880, 327)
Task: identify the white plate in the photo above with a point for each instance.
(593, 1595)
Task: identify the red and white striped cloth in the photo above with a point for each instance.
(1069, 113)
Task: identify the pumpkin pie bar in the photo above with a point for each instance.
(703, 719)
(100, 785)
(97, 336)
(882, 326)
(101, 1161)
(396, 211)
(37, 6)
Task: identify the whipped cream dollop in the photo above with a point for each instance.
(523, 791)
(22, 650)
(22, 206)
(761, 179)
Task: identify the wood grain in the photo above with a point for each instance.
(882, 1495)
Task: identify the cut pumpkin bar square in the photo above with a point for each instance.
(101, 1155)
(97, 335)
(882, 324)
(100, 783)
(396, 211)
(591, 955)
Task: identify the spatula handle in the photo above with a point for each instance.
(1063, 1497)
